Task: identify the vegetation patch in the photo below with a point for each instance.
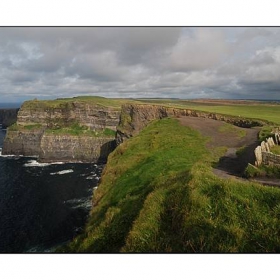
(158, 194)
(270, 171)
(16, 127)
(275, 150)
(68, 103)
(231, 129)
(76, 129)
(266, 132)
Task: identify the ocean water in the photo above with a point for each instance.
(43, 205)
(10, 105)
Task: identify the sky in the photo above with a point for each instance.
(146, 62)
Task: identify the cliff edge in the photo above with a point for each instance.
(70, 130)
(134, 117)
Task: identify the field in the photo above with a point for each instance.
(158, 194)
(247, 109)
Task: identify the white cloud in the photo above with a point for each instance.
(134, 61)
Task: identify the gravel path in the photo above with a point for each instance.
(230, 166)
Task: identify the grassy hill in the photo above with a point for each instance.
(158, 194)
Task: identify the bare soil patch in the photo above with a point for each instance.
(230, 164)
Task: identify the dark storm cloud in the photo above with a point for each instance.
(134, 61)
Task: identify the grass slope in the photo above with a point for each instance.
(158, 194)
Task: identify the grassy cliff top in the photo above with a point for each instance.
(158, 194)
(244, 109)
(64, 102)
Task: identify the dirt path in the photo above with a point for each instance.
(230, 165)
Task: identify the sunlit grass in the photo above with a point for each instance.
(158, 194)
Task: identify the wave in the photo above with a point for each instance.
(10, 156)
(62, 172)
(85, 203)
(35, 163)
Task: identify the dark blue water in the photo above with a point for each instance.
(10, 105)
(43, 206)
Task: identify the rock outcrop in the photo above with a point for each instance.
(8, 117)
(61, 114)
(135, 117)
(72, 131)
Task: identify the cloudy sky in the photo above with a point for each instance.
(52, 62)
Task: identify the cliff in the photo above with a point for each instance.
(69, 130)
(8, 117)
(134, 117)
(62, 113)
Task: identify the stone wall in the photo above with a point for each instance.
(264, 155)
(270, 159)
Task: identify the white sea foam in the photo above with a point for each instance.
(11, 156)
(35, 163)
(85, 205)
(62, 172)
(75, 203)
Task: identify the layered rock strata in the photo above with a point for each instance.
(62, 114)
(41, 130)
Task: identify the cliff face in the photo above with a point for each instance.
(62, 114)
(75, 148)
(8, 117)
(25, 143)
(59, 130)
(135, 117)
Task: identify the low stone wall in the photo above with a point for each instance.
(264, 155)
(270, 158)
(277, 137)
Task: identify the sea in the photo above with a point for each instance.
(43, 206)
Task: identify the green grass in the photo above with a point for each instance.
(268, 112)
(67, 103)
(270, 171)
(275, 150)
(158, 194)
(264, 111)
(266, 132)
(227, 128)
(78, 130)
(16, 127)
